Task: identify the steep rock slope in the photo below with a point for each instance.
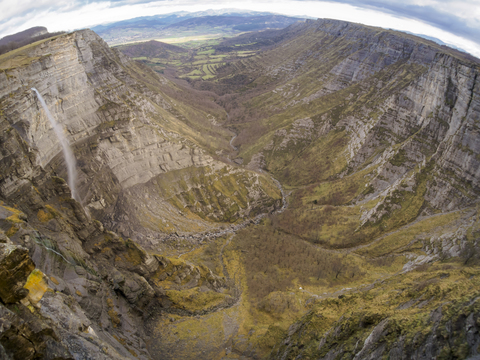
(339, 98)
(134, 134)
(124, 128)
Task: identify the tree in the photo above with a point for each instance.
(337, 266)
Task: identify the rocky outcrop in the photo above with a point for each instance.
(15, 266)
(22, 335)
(54, 311)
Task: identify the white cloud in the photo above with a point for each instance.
(21, 8)
(69, 15)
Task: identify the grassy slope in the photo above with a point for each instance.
(204, 195)
(405, 302)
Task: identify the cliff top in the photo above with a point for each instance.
(24, 55)
(342, 26)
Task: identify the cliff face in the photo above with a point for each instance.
(143, 169)
(431, 122)
(427, 127)
(373, 98)
(123, 129)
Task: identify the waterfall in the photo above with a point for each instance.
(67, 150)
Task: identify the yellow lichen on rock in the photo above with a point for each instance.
(12, 231)
(36, 285)
(44, 216)
(14, 219)
(112, 313)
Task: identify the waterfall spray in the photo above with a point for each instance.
(67, 151)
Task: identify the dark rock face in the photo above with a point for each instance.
(15, 266)
(23, 336)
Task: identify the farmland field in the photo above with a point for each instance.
(196, 58)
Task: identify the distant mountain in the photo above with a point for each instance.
(171, 18)
(226, 22)
(152, 49)
(23, 35)
(464, 52)
(239, 23)
(437, 40)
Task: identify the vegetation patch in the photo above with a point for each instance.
(275, 261)
(195, 299)
(113, 314)
(404, 238)
(403, 306)
(400, 158)
(36, 286)
(45, 216)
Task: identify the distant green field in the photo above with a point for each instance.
(206, 52)
(201, 62)
(245, 53)
(190, 38)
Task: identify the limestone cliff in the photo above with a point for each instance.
(144, 169)
(346, 98)
(124, 129)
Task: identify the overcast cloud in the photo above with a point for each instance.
(459, 17)
(454, 22)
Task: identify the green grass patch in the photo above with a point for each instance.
(194, 299)
(338, 191)
(206, 52)
(402, 238)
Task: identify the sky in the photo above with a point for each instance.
(454, 22)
